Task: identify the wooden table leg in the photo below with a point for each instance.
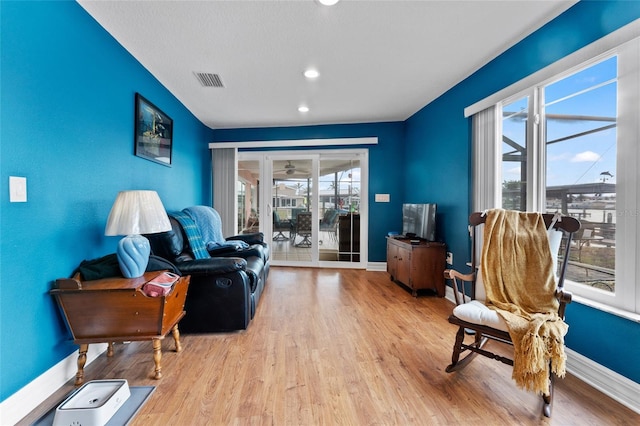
(176, 337)
(82, 359)
(157, 357)
(110, 349)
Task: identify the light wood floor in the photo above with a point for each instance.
(287, 250)
(337, 347)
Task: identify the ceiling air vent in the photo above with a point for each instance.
(209, 80)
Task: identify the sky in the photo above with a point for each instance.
(591, 93)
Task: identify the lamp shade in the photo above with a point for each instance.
(137, 212)
(134, 213)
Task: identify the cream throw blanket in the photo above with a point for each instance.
(520, 284)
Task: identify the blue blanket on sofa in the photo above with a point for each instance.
(208, 221)
(193, 234)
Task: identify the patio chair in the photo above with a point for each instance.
(280, 226)
(303, 229)
(294, 222)
(329, 223)
(523, 301)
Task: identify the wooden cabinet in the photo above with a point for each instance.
(398, 262)
(349, 237)
(116, 310)
(418, 266)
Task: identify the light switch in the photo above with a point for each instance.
(382, 198)
(17, 189)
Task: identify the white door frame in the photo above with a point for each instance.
(266, 226)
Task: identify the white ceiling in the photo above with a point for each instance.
(378, 60)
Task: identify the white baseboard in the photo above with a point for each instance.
(21, 403)
(377, 266)
(610, 383)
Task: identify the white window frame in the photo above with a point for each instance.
(625, 43)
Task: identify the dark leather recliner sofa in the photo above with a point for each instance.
(225, 289)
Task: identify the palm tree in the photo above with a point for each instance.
(300, 187)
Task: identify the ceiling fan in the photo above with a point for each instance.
(290, 169)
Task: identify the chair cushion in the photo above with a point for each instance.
(477, 312)
(555, 238)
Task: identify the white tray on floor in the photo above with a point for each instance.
(94, 403)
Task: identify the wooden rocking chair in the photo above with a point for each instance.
(474, 318)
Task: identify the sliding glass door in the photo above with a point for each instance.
(292, 193)
(310, 208)
(339, 208)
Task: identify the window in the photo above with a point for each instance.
(580, 116)
(577, 114)
(514, 154)
(569, 143)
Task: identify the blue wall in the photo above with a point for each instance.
(67, 113)
(438, 156)
(67, 125)
(385, 166)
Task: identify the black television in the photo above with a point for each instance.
(419, 221)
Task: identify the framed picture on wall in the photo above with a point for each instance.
(153, 132)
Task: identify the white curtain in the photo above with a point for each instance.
(487, 190)
(224, 165)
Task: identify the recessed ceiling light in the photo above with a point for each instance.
(303, 108)
(328, 2)
(311, 73)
